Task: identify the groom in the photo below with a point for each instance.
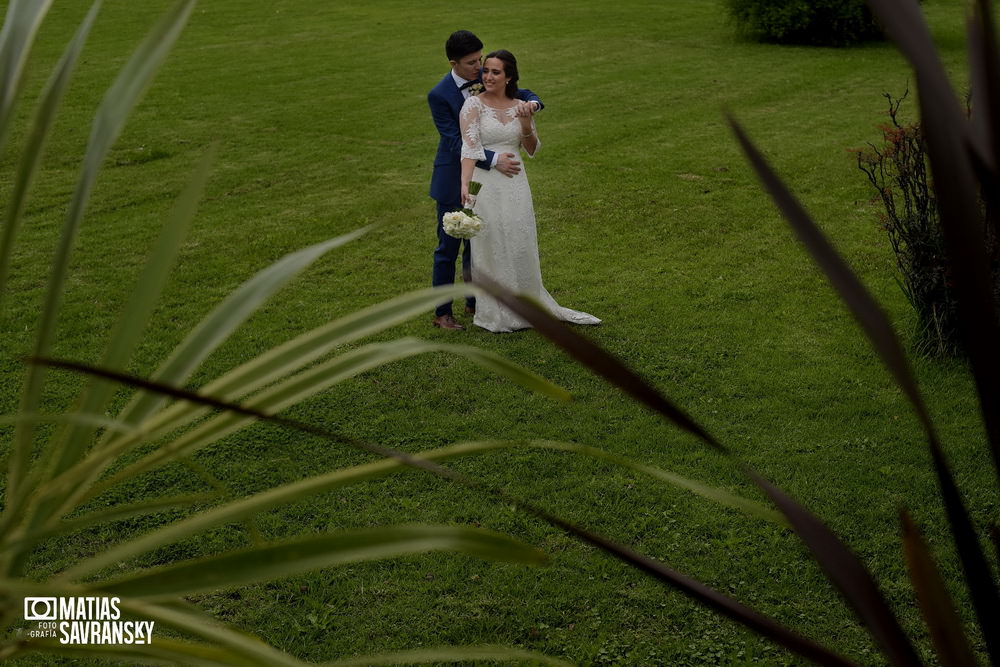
(465, 53)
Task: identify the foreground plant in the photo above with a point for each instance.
(51, 481)
(964, 156)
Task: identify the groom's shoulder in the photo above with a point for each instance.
(439, 88)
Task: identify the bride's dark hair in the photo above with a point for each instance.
(509, 68)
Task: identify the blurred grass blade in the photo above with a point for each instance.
(242, 508)
(596, 358)
(848, 574)
(875, 323)
(118, 102)
(20, 27)
(136, 314)
(947, 135)
(95, 421)
(296, 556)
(865, 309)
(714, 494)
(850, 577)
(273, 364)
(307, 384)
(245, 649)
(445, 654)
(18, 539)
(217, 326)
(73, 442)
(245, 507)
(163, 649)
(945, 626)
(31, 158)
(44, 117)
(312, 345)
(501, 366)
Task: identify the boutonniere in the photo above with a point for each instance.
(475, 88)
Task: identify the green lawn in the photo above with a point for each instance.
(648, 217)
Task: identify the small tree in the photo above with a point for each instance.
(897, 170)
(815, 22)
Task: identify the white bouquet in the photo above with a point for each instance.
(463, 224)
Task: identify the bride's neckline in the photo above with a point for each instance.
(512, 106)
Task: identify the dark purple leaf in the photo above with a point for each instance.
(865, 309)
(597, 359)
(948, 136)
(978, 574)
(876, 325)
(935, 603)
(848, 574)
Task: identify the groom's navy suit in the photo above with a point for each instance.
(445, 101)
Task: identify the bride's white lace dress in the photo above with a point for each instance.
(506, 250)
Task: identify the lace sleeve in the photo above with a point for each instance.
(472, 145)
(538, 142)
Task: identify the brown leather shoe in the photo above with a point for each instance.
(469, 310)
(447, 322)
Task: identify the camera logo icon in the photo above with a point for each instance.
(40, 609)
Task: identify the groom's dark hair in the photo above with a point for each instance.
(462, 43)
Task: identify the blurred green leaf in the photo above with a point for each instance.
(20, 28)
(244, 507)
(118, 102)
(31, 157)
(136, 314)
(302, 386)
(286, 359)
(217, 326)
(290, 557)
(711, 493)
(74, 441)
(465, 654)
(20, 537)
(172, 651)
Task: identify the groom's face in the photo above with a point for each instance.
(468, 66)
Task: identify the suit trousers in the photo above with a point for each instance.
(445, 257)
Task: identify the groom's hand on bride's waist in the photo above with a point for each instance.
(508, 165)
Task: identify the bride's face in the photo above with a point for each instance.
(494, 78)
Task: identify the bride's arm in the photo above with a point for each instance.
(472, 145)
(529, 137)
(468, 167)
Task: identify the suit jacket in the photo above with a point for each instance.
(445, 101)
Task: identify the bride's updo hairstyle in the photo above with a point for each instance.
(509, 68)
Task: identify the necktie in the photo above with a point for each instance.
(467, 84)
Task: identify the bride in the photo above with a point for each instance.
(506, 250)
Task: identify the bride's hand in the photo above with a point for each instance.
(465, 195)
(525, 109)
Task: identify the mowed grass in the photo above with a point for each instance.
(648, 217)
